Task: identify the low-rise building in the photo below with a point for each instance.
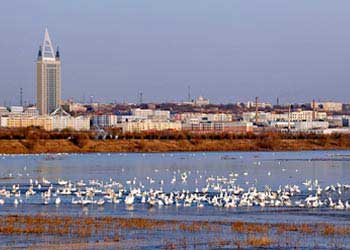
(16, 110)
(192, 117)
(104, 120)
(203, 127)
(47, 122)
(263, 117)
(148, 125)
(336, 131)
(300, 115)
(159, 115)
(201, 101)
(330, 106)
(74, 107)
(129, 118)
(219, 117)
(31, 111)
(304, 126)
(262, 105)
(4, 111)
(80, 123)
(44, 122)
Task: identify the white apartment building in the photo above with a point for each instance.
(161, 115)
(69, 122)
(330, 106)
(197, 117)
(47, 122)
(306, 115)
(219, 117)
(310, 125)
(262, 116)
(145, 113)
(104, 120)
(148, 125)
(262, 105)
(301, 115)
(4, 111)
(16, 110)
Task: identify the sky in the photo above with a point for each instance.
(226, 50)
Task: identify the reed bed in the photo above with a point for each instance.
(169, 234)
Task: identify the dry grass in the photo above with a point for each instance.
(332, 230)
(259, 241)
(115, 230)
(244, 227)
(156, 145)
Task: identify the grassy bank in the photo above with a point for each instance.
(26, 146)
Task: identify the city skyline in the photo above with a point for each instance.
(270, 50)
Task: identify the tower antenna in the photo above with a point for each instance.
(21, 96)
(141, 97)
(256, 111)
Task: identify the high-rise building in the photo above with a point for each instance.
(48, 68)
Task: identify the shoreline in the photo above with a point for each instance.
(166, 145)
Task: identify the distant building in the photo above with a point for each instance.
(346, 107)
(129, 118)
(300, 115)
(159, 115)
(336, 131)
(147, 125)
(144, 113)
(48, 123)
(262, 105)
(264, 117)
(201, 101)
(48, 68)
(44, 122)
(198, 117)
(74, 107)
(31, 111)
(330, 106)
(68, 122)
(219, 117)
(304, 126)
(104, 120)
(187, 116)
(307, 115)
(16, 110)
(4, 111)
(339, 121)
(207, 127)
(58, 120)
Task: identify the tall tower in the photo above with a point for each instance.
(48, 69)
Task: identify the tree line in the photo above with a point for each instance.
(35, 133)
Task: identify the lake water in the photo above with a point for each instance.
(253, 169)
(164, 171)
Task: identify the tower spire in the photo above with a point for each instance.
(40, 53)
(57, 53)
(47, 48)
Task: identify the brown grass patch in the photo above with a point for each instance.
(259, 241)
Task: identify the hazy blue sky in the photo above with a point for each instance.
(227, 50)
